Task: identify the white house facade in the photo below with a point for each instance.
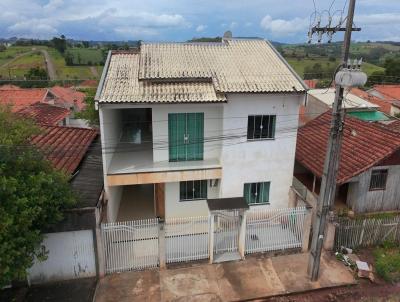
(185, 122)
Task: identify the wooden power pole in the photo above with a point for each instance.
(328, 184)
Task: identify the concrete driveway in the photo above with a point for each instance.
(255, 277)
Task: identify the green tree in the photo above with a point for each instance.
(392, 69)
(90, 114)
(36, 73)
(32, 197)
(59, 43)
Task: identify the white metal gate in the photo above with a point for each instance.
(130, 245)
(277, 229)
(186, 238)
(226, 231)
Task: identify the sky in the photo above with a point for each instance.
(180, 20)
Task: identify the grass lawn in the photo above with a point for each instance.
(11, 52)
(87, 55)
(387, 262)
(21, 66)
(69, 72)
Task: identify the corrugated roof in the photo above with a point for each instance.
(45, 114)
(364, 145)
(196, 72)
(64, 146)
(383, 105)
(122, 85)
(327, 96)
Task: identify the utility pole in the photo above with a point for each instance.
(331, 165)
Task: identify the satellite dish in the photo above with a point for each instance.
(227, 35)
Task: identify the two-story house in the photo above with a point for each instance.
(185, 122)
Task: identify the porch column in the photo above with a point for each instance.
(211, 237)
(242, 234)
(306, 230)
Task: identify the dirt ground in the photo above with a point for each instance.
(364, 291)
(80, 290)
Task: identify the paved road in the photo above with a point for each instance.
(51, 71)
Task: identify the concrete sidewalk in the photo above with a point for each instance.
(255, 277)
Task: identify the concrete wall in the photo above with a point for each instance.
(114, 195)
(260, 161)
(362, 200)
(314, 107)
(176, 208)
(71, 256)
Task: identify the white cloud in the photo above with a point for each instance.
(248, 24)
(53, 5)
(233, 25)
(201, 28)
(281, 27)
(378, 19)
(37, 28)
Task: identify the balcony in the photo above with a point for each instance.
(133, 164)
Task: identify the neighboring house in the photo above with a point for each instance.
(185, 122)
(312, 84)
(72, 243)
(71, 99)
(384, 107)
(68, 98)
(321, 100)
(369, 170)
(45, 114)
(389, 94)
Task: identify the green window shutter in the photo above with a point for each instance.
(172, 136)
(195, 134)
(176, 136)
(256, 193)
(265, 191)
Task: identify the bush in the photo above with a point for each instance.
(387, 261)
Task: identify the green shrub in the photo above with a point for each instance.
(387, 262)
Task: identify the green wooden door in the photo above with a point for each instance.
(186, 136)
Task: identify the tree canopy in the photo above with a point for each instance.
(32, 197)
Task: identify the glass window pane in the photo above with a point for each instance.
(250, 127)
(257, 126)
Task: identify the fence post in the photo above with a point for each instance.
(211, 237)
(100, 251)
(306, 230)
(329, 241)
(242, 234)
(161, 244)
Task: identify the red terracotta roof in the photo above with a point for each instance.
(68, 96)
(65, 147)
(384, 105)
(21, 98)
(364, 145)
(9, 87)
(45, 114)
(390, 92)
(89, 83)
(392, 125)
(311, 83)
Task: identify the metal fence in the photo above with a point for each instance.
(354, 233)
(186, 239)
(130, 245)
(277, 229)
